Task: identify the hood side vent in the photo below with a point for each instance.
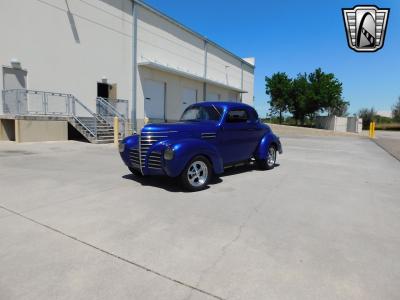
(208, 135)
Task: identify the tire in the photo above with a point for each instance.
(135, 171)
(197, 174)
(269, 162)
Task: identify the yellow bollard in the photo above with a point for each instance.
(370, 130)
(373, 130)
(17, 131)
(116, 131)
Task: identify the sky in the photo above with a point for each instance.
(297, 37)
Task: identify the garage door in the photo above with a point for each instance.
(188, 97)
(213, 97)
(233, 97)
(154, 99)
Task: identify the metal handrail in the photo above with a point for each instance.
(115, 111)
(87, 108)
(108, 112)
(18, 102)
(84, 126)
(37, 92)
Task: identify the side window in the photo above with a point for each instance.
(254, 114)
(237, 116)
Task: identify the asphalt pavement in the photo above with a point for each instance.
(390, 141)
(324, 224)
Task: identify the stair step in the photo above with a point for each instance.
(105, 131)
(103, 141)
(105, 137)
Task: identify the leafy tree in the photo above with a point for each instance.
(306, 95)
(368, 115)
(340, 109)
(326, 92)
(299, 94)
(396, 111)
(278, 87)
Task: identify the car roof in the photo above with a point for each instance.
(224, 104)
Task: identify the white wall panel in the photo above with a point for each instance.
(68, 48)
(248, 84)
(162, 41)
(222, 67)
(166, 43)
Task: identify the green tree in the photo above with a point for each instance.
(278, 88)
(299, 95)
(368, 115)
(339, 109)
(396, 111)
(305, 95)
(325, 94)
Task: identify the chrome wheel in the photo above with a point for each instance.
(271, 159)
(197, 173)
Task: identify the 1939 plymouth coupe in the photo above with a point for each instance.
(209, 137)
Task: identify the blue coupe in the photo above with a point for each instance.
(210, 137)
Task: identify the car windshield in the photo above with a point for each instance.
(201, 113)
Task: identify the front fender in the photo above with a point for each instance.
(266, 141)
(130, 142)
(186, 149)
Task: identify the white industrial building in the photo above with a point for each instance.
(121, 49)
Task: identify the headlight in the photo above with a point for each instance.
(121, 146)
(168, 154)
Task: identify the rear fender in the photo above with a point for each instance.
(262, 149)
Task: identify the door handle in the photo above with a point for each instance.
(147, 98)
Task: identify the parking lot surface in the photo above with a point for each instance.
(390, 141)
(324, 224)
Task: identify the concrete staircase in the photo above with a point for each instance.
(95, 129)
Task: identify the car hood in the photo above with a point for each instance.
(181, 128)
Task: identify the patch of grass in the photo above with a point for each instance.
(388, 126)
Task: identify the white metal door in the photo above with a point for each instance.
(154, 99)
(233, 97)
(14, 78)
(188, 97)
(213, 97)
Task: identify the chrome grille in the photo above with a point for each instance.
(134, 158)
(154, 160)
(147, 139)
